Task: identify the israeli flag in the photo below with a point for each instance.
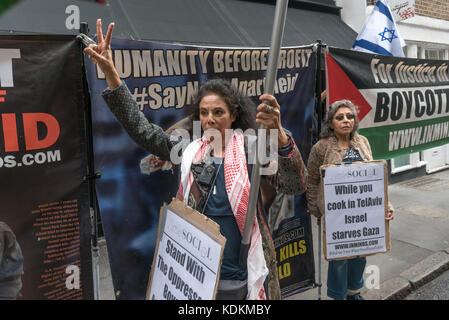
(380, 34)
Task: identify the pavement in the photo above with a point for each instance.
(419, 244)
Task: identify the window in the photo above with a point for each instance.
(434, 54)
(406, 162)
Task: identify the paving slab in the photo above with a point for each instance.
(401, 256)
(393, 289)
(427, 269)
(106, 287)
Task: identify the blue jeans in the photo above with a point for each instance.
(344, 275)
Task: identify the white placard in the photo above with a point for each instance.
(186, 263)
(354, 200)
(402, 9)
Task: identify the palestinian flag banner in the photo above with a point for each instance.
(402, 102)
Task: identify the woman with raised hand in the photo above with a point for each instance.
(215, 174)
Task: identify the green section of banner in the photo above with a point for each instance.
(395, 140)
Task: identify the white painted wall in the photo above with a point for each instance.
(436, 158)
(416, 29)
(424, 29)
(353, 13)
(419, 33)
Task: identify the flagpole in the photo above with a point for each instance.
(319, 87)
(318, 91)
(273, 59)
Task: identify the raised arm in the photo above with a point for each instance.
(149, 136)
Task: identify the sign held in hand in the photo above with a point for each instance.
(188, 255)
(355, 199)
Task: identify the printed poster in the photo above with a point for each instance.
(44, 195)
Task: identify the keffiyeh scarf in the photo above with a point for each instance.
(237, 187)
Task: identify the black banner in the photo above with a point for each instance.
(43, 194)
(403, 103)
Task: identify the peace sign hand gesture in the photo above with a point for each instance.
(101, 55)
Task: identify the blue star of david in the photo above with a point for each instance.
(391, 32)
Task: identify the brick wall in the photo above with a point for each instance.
(438, 9)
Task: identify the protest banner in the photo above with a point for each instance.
(163, 79)
(355, 199)
(187, 259)
(43, 191)
(402, 102)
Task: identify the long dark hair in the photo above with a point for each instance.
(246, 109)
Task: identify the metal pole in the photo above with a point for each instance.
(91, 176)
(319, 258)
(273, 59)
(319, 87)
(276, 42)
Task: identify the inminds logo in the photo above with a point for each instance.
(6, 74)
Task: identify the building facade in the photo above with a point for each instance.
(426, 33)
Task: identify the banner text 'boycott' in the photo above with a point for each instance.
(413, 105)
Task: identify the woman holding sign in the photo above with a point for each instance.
(214, 170)
(339, 142)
